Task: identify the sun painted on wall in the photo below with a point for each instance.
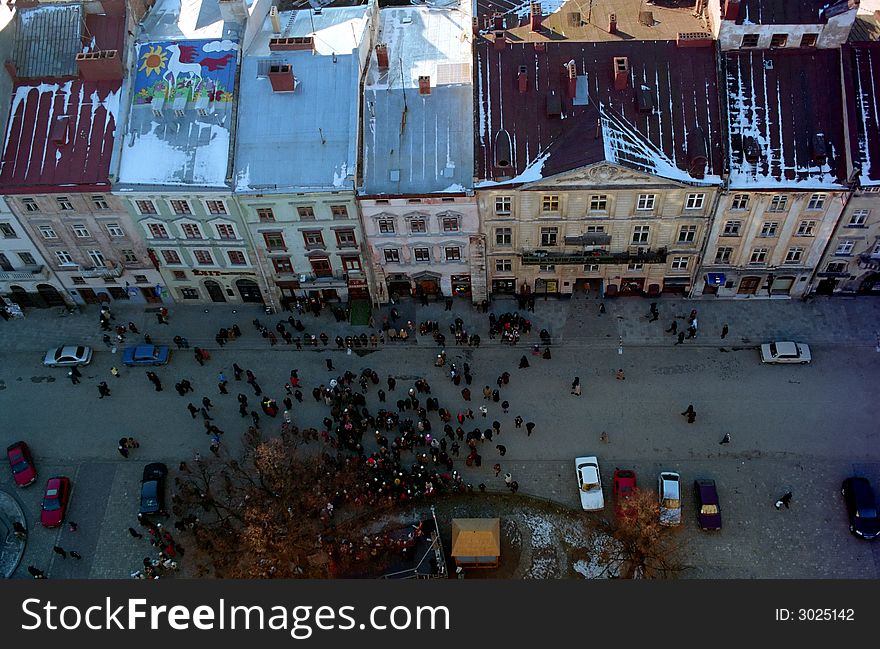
(196, 68)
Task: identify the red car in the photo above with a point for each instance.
(55, 501)
(624, 484)
(21, 463)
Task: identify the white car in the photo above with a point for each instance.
(589, 483)
(785, 352)
(669, 490)
(68, 355)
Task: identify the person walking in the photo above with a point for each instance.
(115, 372)
(680, 338)
(103, 389)
(523, 362)
(530, 427)
(785, 500)
(655, 314)
(73, 377)
(237, 371)
(575, 390)
(75, 554)
(484, 410)
(690, 413)
(502, 449)
(59, 551)
(133, 329)
(724, 331)
(392, 383)
(601, 308)
(206, 402)
(329, 362)
(725, 439)
(192, 410)
(620, 376)
(505, 406)
(134, 533)
(673, 328)
(518, 421)
(508, 479)
(36, 573)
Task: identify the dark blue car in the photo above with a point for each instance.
(145, 355)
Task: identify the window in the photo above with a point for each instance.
(731, 228)
(339, 211)
(157, 231)
(81, 231)
(687, 234)
(417, 226)
(236, 258)
(216, 207)
(79, 281)
(47, 232)
(646, 201)
(351, 264)
(809, 40)
(274, 240)
(759, 256)
(145, 207)
(778, 40)
(680, 263)
(64, 204)
(8, 231)
(806, 229)
(598, 203)
(837, 267)
(768, 229)
(282, 264)
(635, 265)
(591, 268)
(313, 239)
(392, 256)
(739, 202)
(750, 40)
(722, 255)
(188, 293)
(547, 268)
(695, 201)
(171, 257)
(448, 200)
(100, 202)
(97, 258)
(129, 256)
(816, 202)
(306, 213)
(180, 207)
(549, 236)
(550, 204)
(114, 230)
(225, 230)
(595, 228)
(844, 247)
(27, 259)
(778, 203)
(414, 201)
(179, 275)
(450, 224)
(203, 257)
(191, 230)
(382, 201)
(453, 253)
(30, 205)
(502, 204)
(503, 236)
(346, 239)
(141, 279)
(386, 226)
(503, 266)
(422, 254)
(794, 255)
(321, 267)
(640, 233)
(859, 217)
(265, 215)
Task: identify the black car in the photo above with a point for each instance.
(153, 489)
(861, 507)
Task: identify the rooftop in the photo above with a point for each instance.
(48, 40)
(800, 12)
(183, 88)
(863, 68)
(314, 127)
(663, 120)
(785, 127)
(866, 27)
(417, 143)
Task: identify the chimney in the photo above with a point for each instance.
(60, 130)
(382, 56)
(731, 10)
(424, 85)
(104, 65)
(113, 7)
(276, 21)
(233, 11)
(819, 148)
(535, 17)
(497, 21)
(612, 24)
(281, 76)
(621, 72)
(291, 44)
(572, 78)
(500, 40)
(522, 79)
(696, 153)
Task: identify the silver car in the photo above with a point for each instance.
(669, 490)
(785, 352)
(68, 355)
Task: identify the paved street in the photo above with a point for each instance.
(793, 428)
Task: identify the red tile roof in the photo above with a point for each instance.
(680, 116)
(862, 67)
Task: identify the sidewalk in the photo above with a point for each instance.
(12, 548)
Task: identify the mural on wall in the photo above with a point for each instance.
(194, 68)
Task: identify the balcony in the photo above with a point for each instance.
(29, 273)
(869, 261)
(101, 271)
(642, 256)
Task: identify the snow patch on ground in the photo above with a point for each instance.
(542, 531)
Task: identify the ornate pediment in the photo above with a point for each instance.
(599, 175)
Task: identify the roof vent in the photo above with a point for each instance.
(612, 24)
(696, 153)
(535, 17)
(179, 105)
(204, 106)
(621, 72)
(276, 21)
(424, 85)
(554, 104)
(644, 99)
(522, 79)
(292, 43)
(768, 64)
(820, 148)
(500, 39)
(503, 149)
(646, 18)
(157, 105)
(752, 150)
(59, 130)
(281, 77)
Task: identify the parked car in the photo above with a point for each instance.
(68, 355)
(669, 492)
(861, 507)
(146, 355)
(55, 501)
(623, 486)
(589, 483)
(22, 464)
(708, 505)
(153, 489)
(785, 352)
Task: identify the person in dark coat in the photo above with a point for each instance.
(523, 362)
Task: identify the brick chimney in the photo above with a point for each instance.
(498, 21)
(281, 76)
(113, 7)
(535, 17)
(612, 24)
(382, 56)
(731, 10)
(571, 66)
(522, 80)
(621, 72)
(500, 39)
(292, 43)
(424, 85)
(104, 65)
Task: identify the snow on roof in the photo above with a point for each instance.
(417, 144)
(183, 19)
(775, 113)
(801, 12)
(48, 39)
(314, 128)
(864, 100)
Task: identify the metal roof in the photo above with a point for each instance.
(799, 12)
(416, 144)
(48, 40)
(862, 67)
